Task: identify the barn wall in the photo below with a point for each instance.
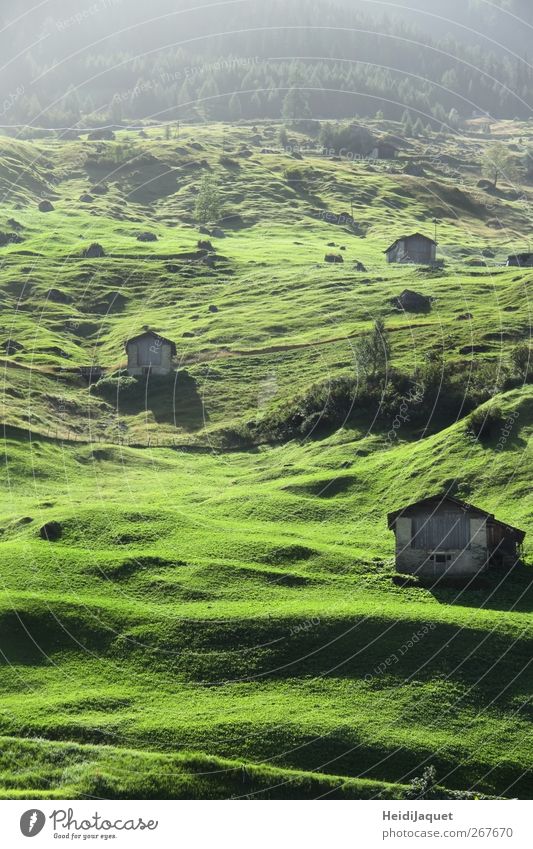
(147, 353)
(463, 562)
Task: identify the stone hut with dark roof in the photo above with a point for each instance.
(415, 248)
(150, 353)
(443, 536)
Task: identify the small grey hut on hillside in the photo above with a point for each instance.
(442, 535)
(150, 353)
(415, 248)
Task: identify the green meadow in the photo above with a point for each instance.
(219, 617)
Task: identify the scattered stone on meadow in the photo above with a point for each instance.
(465, 316)
(51, 531)
(342, 247)
(11, 346)
(413, 169)
(103, 134)
(411, 301)
(14, 224)
(358, 266)
(147, 237)
(188, 334)
(46, 206)
(217, 233)
(204, 231)
(56, 296)
(330, 244)
(93, 251)
(486, 185)
(333, 258)
(204, 245)
(9, 239)
(86, 198)
(213, 308)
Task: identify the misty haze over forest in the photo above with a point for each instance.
(109, 61)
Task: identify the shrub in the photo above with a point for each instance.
(521, 360)
(485, 423)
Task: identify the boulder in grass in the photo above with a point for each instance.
(11, 347)
(94, 251)
(486, 185)
(99, 189)
(204, 245)
(465, 316)
(147, 237)
(333, 258)
(51, 531)
(217, 233)
(358, 266)
(56, 296)
(46, 206)
(410, 301)
(188, 334)
(85, 198)
(103, 134)
(9, 239)
(204, 231)
(213, 308)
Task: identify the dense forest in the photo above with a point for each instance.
(114, 61)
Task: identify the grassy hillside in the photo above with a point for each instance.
(219, 616)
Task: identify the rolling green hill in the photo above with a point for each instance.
(219, 616)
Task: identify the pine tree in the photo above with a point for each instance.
(208, 205)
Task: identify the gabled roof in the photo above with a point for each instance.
(154, 335)
(464, 505)
(405, 238)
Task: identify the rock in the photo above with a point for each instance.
(342, 248)
(212, 308)
(330, 245)
(197, 146)
(51, 531)
(204, 245)
(333, 258)
(486, 185)
(413, 169)
(218, 233)
(87, 198)
(11, 347)
(204, 231)
(99, 189)
(465, 316)
(476, 263)
(56, 296)
(147, 237)
(103, 134)
(412, 301)
(358, 266)
(188, 334)
(9, 239)
(45, 206)
(93, 251)
(14, 224)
